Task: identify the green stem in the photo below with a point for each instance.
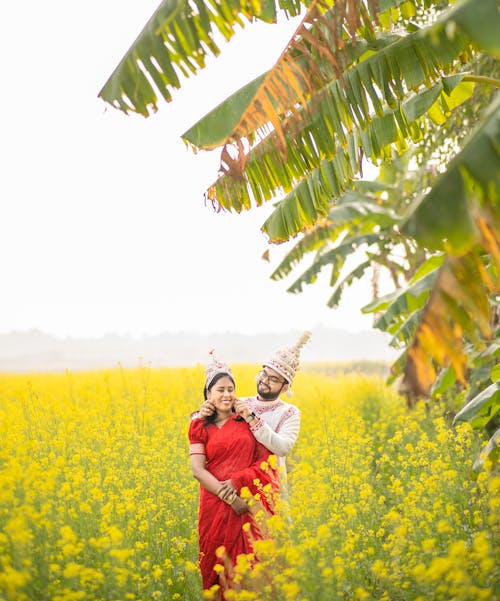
(491, 81)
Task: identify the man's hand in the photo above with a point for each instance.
(241, 407)
(208, 408)
(239, 506)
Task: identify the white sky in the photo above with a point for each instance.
(103, 225)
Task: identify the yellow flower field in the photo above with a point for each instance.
(97, 501)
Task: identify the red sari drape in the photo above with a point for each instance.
(231, 452)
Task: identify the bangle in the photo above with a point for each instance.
(231, 499)
(251, 417)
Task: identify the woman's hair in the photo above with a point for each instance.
(211, 418)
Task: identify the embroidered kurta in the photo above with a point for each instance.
(233, 453)
(277, 425)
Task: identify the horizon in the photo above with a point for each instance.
(38, 351)
(186, 331)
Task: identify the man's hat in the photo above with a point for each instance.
(286, 361)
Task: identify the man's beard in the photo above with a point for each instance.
(267, 394)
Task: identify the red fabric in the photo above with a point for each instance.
(231, 452)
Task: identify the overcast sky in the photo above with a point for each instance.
(103, 225)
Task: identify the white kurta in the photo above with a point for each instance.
(277, 425)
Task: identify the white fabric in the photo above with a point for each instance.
(277, 425)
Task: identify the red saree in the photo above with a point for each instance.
(231, 452)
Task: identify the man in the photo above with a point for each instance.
(272, 421)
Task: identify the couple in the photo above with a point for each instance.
(230, 443)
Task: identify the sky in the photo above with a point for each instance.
(103, 223)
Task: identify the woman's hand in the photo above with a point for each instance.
(239, 506)
(227, 492)
(207, 408)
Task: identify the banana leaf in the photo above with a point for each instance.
(491, 452)
(482, 408)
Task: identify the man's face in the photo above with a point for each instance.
(270, 384)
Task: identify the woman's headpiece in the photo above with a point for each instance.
(215, 366)
(286, 361)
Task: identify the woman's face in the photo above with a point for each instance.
(222, 395)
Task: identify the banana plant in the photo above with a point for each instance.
(482, 411)
(470, 378)
(359, 79)
(363, 217)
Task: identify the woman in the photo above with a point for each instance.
(225, 457)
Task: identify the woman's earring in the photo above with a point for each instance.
(289, 393)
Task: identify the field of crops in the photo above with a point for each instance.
(97, 501)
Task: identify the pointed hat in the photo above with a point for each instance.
(286, 361)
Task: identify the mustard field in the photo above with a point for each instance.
(97, 501)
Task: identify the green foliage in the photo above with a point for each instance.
(411, 86)
(482, 408)
(446, 217)
(400, 304)
(215, 127)
(175, 43)
(481, 412)
(491, 452)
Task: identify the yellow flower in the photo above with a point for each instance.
(211, 593)
(443, 527)
(439, 567)
(157, 572)
(273, 461)
(121, 554)
(291, 590)
(245, 493)
(72, 570)
(94, 444)
(190, 566)
(486, 565)
(378, 568)
(419, 571)
(457, 549)
(428, 544)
